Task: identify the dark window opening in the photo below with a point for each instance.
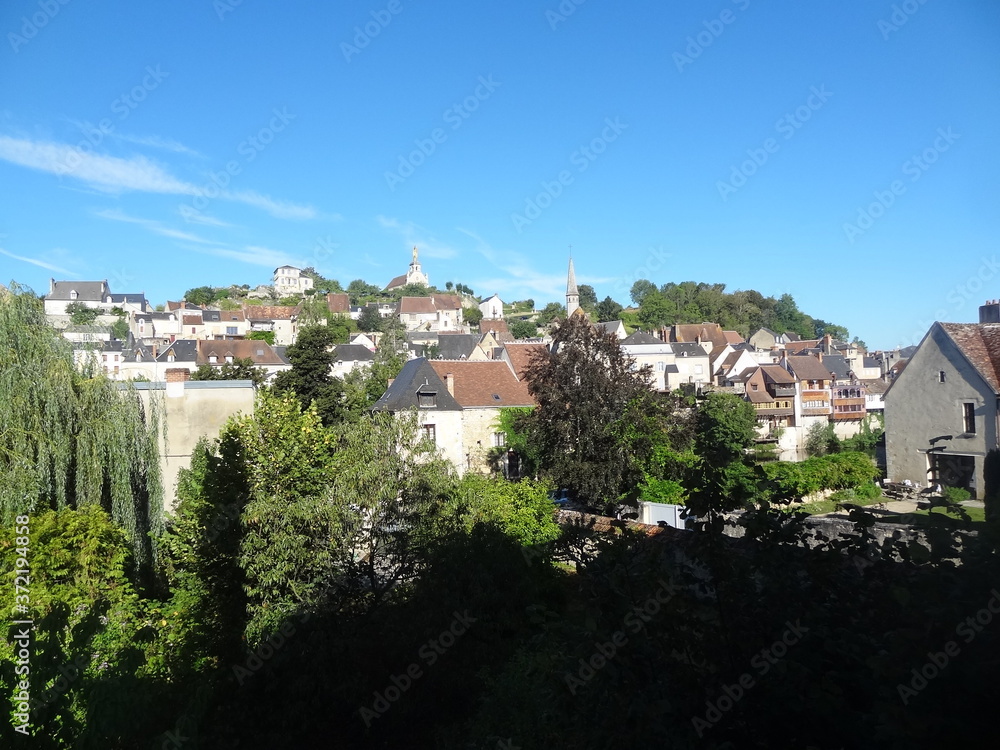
(969, 418)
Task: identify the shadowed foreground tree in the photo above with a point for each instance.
(589, 399)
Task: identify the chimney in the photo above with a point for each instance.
(449, 383)
(176, 378)
(820, 355)
(154, 351)
(990, 312)
(827, 343)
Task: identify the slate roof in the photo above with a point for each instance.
(870, 362)
(837, 365)
(682, 349)
(807, 367)
(87, 291)
(980, 343)
(640, 338)
(184, 350)
(875, 386)
(353, 353)
(457, 345)
(259, 351)
(416, 375)
(484, 384)
(132, 299)
(790, 336)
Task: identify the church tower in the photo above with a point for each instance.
(572, 293)
(415, 275)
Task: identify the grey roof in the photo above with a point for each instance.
(89, 328)
(184, 350)
(837, 365)
(672, 369)
(639, 338)
(353, 353)
(416, 376)
(134, 299)
(869, 362)
(87, 291)
(280, 351)
(684, 349)
(457, 345)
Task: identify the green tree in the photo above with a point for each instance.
(359, 290)
(80, 314)
(119, 329)
(312, 359)
(725, 429)
(472, 315)
(655, 310)
(370, 320)
(550, 312)
(523, 329)
(522, 510)
(584, 429)
(821, 439)
(588, 297)
(267, 336)
(73, 439)
(200, 295)
(608, 310)
(241, 368)
(640, 289)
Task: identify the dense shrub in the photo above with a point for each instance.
(792, 481)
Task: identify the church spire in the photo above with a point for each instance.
(572, 293)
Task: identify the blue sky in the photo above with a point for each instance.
(846, 153)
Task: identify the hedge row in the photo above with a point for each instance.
(789, 481)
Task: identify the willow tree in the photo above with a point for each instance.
(71, 437)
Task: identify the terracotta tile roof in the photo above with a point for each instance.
(259, 351)
(419, 305)
(688, 332)
(808, 368)
(479, 384)
(191, 320)
(270, 312)
(733, 337)
(522, 355)
(397, 282)
(338, 302)
(780, 376)
(980, 343)
(797, 346)
(759, 397)
(447, 301)
(875, 386)
(493, 326)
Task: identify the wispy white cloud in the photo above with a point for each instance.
(155, 141)
(278, 209)
(114, 214)
(112, 174)
(39, 263)
(194, 216)
(254, 255)
(415, 235)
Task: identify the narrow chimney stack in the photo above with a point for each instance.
(449, 383)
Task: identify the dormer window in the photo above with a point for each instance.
(212, 359)
(426, 399)
(229, 358)
(170, 357)
(73, 294)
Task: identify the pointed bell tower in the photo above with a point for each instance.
(572, 293)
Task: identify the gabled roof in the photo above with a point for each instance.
(397, 282)
(457, 345)
(791, 336)
(416, 305)
(484, 384)
(798, 346)
(686, 349)
(980, 343)
(806, 367)
(447, 301)
(183, 350)
(521, 356)
(353, 353)
(416, 375)
(259, 351)
(777, 375)
(223, 316)
(837, 365)
(191, 320)
(132, 299)
(870, 362)
(733, 337)
(640, 338)
(876, 386)
(171, 306)
(86, 291)
(498, 326)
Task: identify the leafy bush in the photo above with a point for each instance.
(956, 494)
(663, 491)
(792, 481)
